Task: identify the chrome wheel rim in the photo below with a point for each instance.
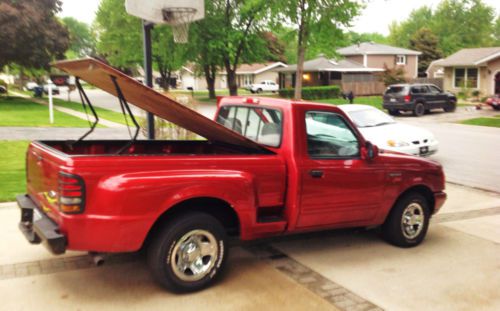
(194, 255)
(412, 221)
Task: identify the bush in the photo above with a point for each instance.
(3, 83)
(313, 92)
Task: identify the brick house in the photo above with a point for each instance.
(375, 55)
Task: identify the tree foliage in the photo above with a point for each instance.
(82, 38)
(318, 23)
(393, 75)
(458, 24)
(425, 41)
(120, 41)
(31, 35)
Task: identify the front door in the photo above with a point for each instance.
(338, 187)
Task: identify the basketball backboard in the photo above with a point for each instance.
(154, 10)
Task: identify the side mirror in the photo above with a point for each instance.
(369, 151)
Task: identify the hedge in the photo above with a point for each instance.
(313, 92)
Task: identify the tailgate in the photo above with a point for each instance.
(43, 165)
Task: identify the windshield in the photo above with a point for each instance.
(370, 118)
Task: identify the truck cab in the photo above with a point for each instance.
(267, 167)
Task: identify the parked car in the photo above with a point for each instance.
(418, 98)
(269, 167)
(55, 89)
(264, 86)
(494, 102)
(386, 133)
(30, 86)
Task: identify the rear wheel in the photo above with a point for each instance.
(189, 253)
(407, 223)
(393, 112)
(419, 110)
(259, 90)
(450, 107)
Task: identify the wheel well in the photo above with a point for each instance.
(219, 209)
(424, 191)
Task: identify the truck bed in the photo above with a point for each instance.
(145, 147)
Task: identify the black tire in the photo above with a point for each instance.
(393, 112)
(166, 246)
(497, 107)
(450, 107)
(396, 232)
(259, 91)
(419, 110)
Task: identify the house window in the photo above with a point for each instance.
(400, 59)
(466, 77)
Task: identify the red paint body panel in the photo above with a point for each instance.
(126, 194)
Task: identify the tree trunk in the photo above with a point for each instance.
(210, 72)
(231, 78)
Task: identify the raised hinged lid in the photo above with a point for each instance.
(99, 74)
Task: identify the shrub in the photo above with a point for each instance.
(3, 83)
(313, 92)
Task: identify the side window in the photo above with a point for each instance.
(329, 136)
(434, 89)
(415, 90)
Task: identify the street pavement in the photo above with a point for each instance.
(456, 268)
(469, 154)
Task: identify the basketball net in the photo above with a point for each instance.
(179, 19)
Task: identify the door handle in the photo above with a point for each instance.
(316, 173)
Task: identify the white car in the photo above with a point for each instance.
(30, 86)
(264, 86)
(382, 130)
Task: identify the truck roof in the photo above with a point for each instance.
(270, 102)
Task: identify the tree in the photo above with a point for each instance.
(82, 39)
(31, 35)
(392, 75)
(457, 24)
(317, 23)
(400, 33)
(351, 38)
(120, 39)
(425, 41)
(235, 26)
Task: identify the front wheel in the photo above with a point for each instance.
(408, 221)
(189, 253)
(450, 107)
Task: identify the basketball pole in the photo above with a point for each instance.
(148, 71)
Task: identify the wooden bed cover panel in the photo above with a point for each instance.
(99, 74)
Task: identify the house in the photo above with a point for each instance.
(246, 74)
(376, 55)
(435, 70)
(348, 74)
(478, 69)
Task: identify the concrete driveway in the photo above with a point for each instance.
(456, 268)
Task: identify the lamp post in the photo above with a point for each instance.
(148, 71)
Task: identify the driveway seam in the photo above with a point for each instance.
(337, 295)
(456, 216)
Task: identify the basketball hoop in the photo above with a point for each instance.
(176, 13)
(179, 19)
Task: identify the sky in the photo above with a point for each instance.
(376, 17)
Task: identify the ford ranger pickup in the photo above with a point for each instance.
(266, 167)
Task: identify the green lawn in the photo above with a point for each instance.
(492, 122)
(375, 101)
(16, 111)
(101, 112)
(12, 170)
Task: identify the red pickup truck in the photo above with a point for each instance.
(268, 167)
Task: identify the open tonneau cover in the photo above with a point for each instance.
(100, 75)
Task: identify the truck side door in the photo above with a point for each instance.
(338, 187)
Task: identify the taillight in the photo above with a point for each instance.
(407, 98)
(71, 193)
